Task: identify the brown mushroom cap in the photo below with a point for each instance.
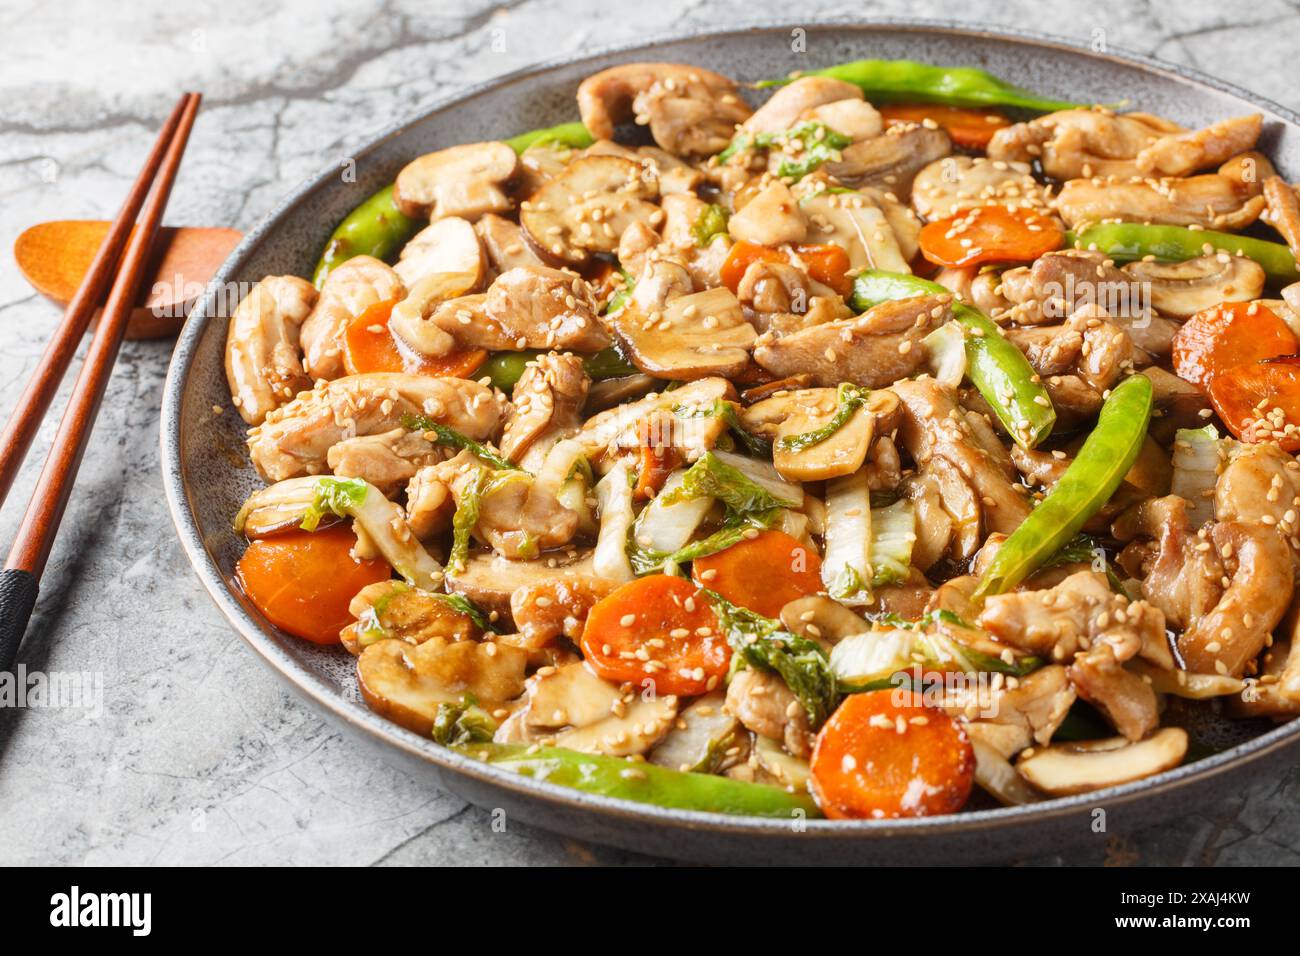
(694, 336)
(586, 209)
(1181, 289)
(809, 409)
(464, 181)
(1065, 769)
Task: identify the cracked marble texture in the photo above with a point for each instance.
(198, 754)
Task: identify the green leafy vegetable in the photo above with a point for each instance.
(647, 561)
(850, 398)
(336, 496)
(468, 505)
(711, 223)
(448, 436)
(819, 144)
(710, 477)
(463, 723)
(572, 135)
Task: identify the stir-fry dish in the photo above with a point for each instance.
(904, 433)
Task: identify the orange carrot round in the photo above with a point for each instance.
(971, 128)
(1227, 335)
(739, 258)
(1261, 401)
(885, 754)
(302, 581)
(990, 234)
(370, 346)
(828, 264)
(763, 573)
(659, 629)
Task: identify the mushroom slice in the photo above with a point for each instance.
(695, 336)
(1069, 768)
(770, 218)
(854, 222)
(407, 683)
(874, 349)
(822, 619)
(467, 181)
(1179, 154)
(449, 245)
(348, 291)
(616, 429)
(704, 738)
(957, 183)
(573, 708)
(263, 359)
(586, 209)
(690, 110)
(490, 580)
(807, 410)
(892, 160)
(395, 610)
(1181, 289)
(504, 243)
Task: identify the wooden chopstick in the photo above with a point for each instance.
(20, 579)
(26, 418)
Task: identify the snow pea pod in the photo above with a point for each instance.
(994, 365)
(375, 228)
(506, 368)
(644, 782)
(891, 81)
(1086, 486)
(1126, 241)
(574, 135)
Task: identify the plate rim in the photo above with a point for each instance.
(358, 718)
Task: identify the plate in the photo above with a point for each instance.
(207, 474)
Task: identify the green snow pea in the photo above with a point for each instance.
(574, 135)
(1126, 241)
(375, 228)
(506, 368)
(1087, 484)
(994, 365)
(644, 782)
(907, 81)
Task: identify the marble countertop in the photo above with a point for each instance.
(189, 751)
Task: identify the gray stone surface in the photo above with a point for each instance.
(198, 755)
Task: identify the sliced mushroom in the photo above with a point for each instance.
(704, 738)
(1069, 768)
(395, 610)
(586, 209)
(407, 683)
(617, 429)
(490, 580)
(1180, 154)
(1212, 201)
(770, 218)
(467, 181)
(892, 160)
(854, 222)
(449, 245)
(571, 707)
(806, 410)
(790, 102)
(1181, 289)
(874, 349)
(348, 291)
(957, 183)
(296, 438)
(263, 358)
(690, 110)
(695, 336)
(546, 406)
(822, 619)
(504, 243)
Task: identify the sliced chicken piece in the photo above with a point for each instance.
(770, 218)
(530, 307)
(407, 683)
(858, 225)
(263, 357)
(490, 581)
(586, 209)
(349, 290)
(429, 503)
(763, 703)
(1011, 718)
(1082, 143)
(690, 110)
(1181, 289)
(387, 460)
(1283, 212)
(1086, 344)
(1260, 484)
(935, 431)
(1181, 154)
(694, 336)
(806, 410)
(296, 438)
(571, 707)
(791, 102)
(682, 212)
(1211, 200)
(1182, 575)
(1124, 698)
(466, 181)
(393, 610)
(874, 349)
(504, 243)
(892, 160)
(774, 287)
(957, 183)
(934, 525)
(856, 119)
(548, 610)
(546, 407)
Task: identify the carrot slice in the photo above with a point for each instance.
(970, 128)
(302, 581)
(990, 234)
(1227, 335)
(1261, 402)
(763, 573)
(886, 754)
(828, 264)
(370, 346)
(740, 257)
(659, 458)
(659, 629)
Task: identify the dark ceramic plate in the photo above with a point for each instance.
(207, 475)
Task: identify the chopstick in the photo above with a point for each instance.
(20, 579)
(44, 382)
